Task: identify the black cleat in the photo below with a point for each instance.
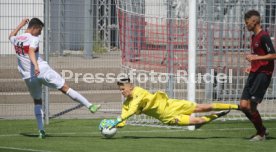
(222, 113)
(219, 114)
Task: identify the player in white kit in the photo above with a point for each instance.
(35, 71)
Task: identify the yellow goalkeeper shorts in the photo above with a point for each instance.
(178, 112)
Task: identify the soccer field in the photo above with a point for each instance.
(83, 136)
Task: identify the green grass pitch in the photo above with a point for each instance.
(83, 136)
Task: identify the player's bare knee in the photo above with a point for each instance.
(245, 106)
(37, 101)
(64, 88)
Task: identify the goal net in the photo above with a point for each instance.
(154, 44)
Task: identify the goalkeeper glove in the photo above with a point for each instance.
(115, 123)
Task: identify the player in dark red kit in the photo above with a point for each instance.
(262, 65)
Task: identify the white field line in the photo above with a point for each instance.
(140, 131)
(23, 149)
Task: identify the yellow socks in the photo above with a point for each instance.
(223, 106)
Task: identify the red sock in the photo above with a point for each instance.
(258, 123)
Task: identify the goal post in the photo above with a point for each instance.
(192, 54)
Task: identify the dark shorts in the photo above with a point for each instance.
(255, 87)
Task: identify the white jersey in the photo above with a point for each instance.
(22, 43)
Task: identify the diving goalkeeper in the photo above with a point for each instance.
(168, 111)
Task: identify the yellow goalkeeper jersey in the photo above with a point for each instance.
(157, 105)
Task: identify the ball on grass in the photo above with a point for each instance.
(109, 133)
(104, 128)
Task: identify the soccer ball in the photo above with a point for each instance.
(104, 128)
(109, 133)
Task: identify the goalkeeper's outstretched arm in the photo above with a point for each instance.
(122, 123)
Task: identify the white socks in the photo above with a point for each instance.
(78, 97)
(39, 116)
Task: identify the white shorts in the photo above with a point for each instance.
(47, 77)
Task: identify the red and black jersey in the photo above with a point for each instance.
(261, 44)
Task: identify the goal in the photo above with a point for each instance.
(154, 44)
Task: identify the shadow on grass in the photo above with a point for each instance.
(165, 137)
(35, 135)
(193, 138)
(270, 138)
(31, 135)
(57, 121)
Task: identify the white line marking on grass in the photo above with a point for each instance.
(138, 131)
(23, 149)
